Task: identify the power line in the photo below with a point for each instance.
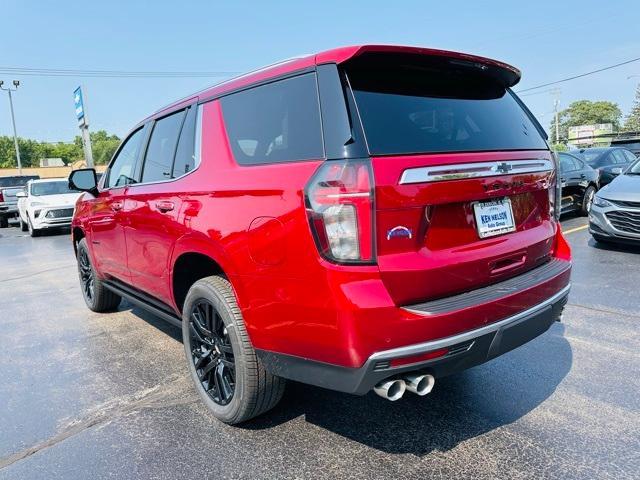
(579, 76)
(63, 72)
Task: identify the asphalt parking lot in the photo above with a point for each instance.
(85, 395)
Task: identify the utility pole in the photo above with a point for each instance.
(556, 104)
(16, 83)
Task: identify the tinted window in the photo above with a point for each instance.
(185, 154)
(16, 181)
(619, 158)
(435, 108)
(597, 157)
(278, 122)
(123, 168)
(567, 163)
(158, 161)
(50, 188)
(630, 156)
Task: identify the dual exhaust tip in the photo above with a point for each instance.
(393, 389)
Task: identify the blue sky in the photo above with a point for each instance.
(547, 40)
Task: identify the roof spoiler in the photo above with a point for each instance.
(505, 74)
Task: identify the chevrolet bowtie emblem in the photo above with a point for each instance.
(504, 167)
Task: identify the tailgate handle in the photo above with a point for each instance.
(506, 264)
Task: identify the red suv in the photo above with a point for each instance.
(370, 217)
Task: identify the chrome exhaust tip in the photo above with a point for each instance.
(420, 384)
(390, 389)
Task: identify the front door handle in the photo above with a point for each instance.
(116, 206)
(165, 206)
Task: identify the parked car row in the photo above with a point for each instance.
(9, 189)
(39, 204)
(583, 172)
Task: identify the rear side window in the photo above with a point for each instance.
(567, 163)
(158, 161)
(630, 156)
(431, 106)
(619, 157)
(122, 170)
(185, 153)
(277, 122)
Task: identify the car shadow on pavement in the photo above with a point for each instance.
(614, 247)
(460, 407)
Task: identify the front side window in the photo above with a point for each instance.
(158, 161)
(277, 122)
(122, 170)
(427, 105)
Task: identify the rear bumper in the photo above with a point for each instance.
(463, 351)
(9, 210)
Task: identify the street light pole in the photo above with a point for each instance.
(13, 120)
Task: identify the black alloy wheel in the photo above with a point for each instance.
(211, 352)
(86, 275)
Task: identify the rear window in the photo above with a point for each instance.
(277, 122)
(433, 106)
(595, 158)
(16, 181)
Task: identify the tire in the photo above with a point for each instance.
(4, 222)
(23, 226)
(587, 200)
(32, 231)
(97, 297)
(236, 387)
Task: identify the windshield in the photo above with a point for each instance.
(437, 108)
(50, 188)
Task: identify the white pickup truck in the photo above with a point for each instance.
(9, 188)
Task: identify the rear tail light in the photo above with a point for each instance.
(1, 197)
(339, 201)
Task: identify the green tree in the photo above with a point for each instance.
(32, 151)
(103, 146)
(586, 112)
(632, 122)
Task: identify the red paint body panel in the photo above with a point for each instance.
(252, 221)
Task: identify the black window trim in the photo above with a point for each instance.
(153, 122)
(145, 144)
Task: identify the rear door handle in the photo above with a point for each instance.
(165, 206)
(116, 206)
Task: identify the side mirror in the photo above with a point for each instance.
(21, 195)
(616, 170)
(85, 180)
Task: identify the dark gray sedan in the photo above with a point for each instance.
(615, 213)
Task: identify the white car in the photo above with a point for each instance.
(46, 203)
